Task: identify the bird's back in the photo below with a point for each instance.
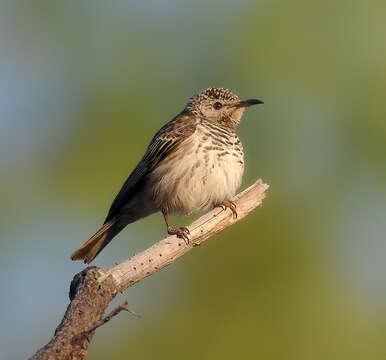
(163, 146)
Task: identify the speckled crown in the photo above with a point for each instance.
(212, 93)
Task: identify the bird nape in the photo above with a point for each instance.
(193, 162)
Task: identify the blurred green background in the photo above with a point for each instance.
(84, 85)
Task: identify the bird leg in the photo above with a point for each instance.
(181, 232)
(228, 204)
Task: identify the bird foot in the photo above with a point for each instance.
(181, 232)
(230, 205)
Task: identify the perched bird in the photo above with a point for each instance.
(193, 162)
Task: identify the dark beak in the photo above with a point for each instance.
(249, 102)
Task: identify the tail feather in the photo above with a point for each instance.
(92, 247)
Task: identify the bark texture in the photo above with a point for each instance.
(92, 289)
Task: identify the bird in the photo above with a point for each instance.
(194, 162)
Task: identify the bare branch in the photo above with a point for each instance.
(92, 290)
(166, 251)
(116, 311)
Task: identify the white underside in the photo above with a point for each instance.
(195, 179)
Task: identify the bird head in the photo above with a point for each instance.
(219, 106)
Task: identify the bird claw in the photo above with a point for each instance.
(230, 205)
(181, 232)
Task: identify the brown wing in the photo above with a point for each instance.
(171, 135)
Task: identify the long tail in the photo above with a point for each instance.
(92, 247)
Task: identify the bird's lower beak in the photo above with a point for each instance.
(249, 102)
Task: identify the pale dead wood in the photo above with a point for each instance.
(166, 251)
(93, 289)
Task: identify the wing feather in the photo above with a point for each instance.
(168, 138)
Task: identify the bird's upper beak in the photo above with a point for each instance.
(249, 102)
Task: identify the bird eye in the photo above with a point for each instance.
(217, 105)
